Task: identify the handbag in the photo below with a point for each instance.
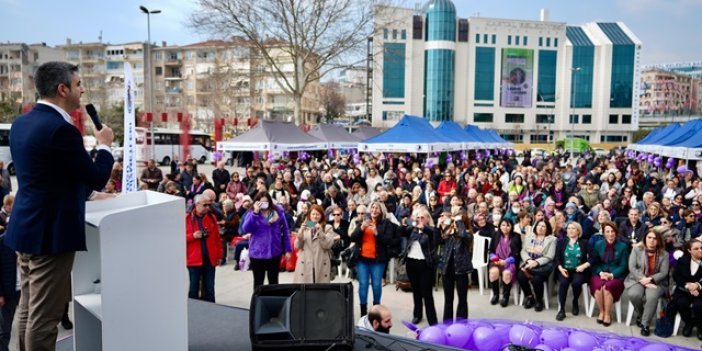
(666, 321)
(351, 255)
(542, 269)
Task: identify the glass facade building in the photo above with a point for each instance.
(440, 60)
(394, 70)
(485, 73)
(582, 64)
(623, 52)
(547, 76)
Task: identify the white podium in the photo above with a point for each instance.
(136, 250)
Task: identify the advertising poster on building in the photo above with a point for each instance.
(517, 77)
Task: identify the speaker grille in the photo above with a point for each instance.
(321, 312)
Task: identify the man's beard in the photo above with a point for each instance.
(382, 329)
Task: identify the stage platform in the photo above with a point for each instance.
(213, 327)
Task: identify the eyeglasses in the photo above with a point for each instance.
(336, 214)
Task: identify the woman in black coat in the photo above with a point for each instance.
(687, 288)
(504, 249)
(421, 257)
(572, 267)
(455, 262)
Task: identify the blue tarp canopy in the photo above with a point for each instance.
(410, 134)
(454, 132)
(674, 140)
(487, 138)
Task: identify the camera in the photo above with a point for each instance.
(447, 221)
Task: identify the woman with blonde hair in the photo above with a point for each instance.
(374, 238)
(314, 241)
(421, 257)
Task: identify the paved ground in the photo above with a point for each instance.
(234, 288)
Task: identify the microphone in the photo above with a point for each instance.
(92, 112)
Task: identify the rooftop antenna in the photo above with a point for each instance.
(100, 36)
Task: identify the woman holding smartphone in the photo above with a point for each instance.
(314, 240)
(374, 236)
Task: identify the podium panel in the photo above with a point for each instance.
(130, 287)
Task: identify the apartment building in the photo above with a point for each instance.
(18, 62)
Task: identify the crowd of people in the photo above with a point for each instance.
(612, 225)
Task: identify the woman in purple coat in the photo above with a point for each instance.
(270, 238)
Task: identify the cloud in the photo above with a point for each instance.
(661, 7)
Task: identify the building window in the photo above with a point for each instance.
(555, 42)
(581, 94)
(485, 38)
(573, 119)
(517, 138)
(613, 119)
(538, 138)
(463, 30)
(394, 70)
(541, 41)
(484, 73)
(526, 41)
(494, 38)
(626, 119)
(509, 40)
(614, 138)
(385, 33)
(417, 27)
(403, 34)
(392, 115)
(477, 38)
(514, 118)
(587, 119)
(622, 76)
(482, 117)
(516, 40)
(545, 119)
(159, 71)
(546, 91)
(548, 42)
(394, 34)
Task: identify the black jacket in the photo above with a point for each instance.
(560, 251)
(384, 240)
(428, 239)
(682, 275)
(515, 245)
(460, 246)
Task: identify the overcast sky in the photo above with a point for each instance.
(669, 29)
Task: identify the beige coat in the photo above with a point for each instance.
(313, 263)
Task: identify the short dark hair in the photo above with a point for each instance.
(50, 75)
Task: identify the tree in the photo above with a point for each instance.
(300, 40)
(333, 102)
(9, 110)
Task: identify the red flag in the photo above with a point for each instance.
(164, 116)
(149, 116)
(180, 117)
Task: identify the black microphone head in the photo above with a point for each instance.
(90, 109)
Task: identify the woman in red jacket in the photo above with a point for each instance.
(446, 185)
(203, 248)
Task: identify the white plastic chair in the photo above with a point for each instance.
(586, 297)
(479, 261)
(617, 309)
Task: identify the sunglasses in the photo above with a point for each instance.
(206, 205)
(336, 214)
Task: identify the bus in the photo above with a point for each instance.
(167, 145)
(5, 155)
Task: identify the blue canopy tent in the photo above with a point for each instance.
(487, 139)
(690, 148)
(666, 145)
(652, 141)
(410, 134)
(454, 132)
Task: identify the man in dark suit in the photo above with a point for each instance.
(48, 219)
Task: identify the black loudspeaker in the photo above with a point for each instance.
(304, 316)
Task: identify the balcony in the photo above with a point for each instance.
(174, 90)
(173, 62)
(178, 76)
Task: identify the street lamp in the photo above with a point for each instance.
(574, 70)
(151, 73)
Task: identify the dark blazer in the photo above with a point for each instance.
(560, 251)
(459, 246)
(8, 271)
(56, 175)
(428, 238)
(682, 275)
(515, 245)
(385, 240)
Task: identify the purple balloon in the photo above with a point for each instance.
(449, 158)
(650, 158)
(658, 161)
(556, 339)
(432, 334)
(484, 339)
(615, 343)
(429, 164)
(458, 334)
(582, 341)
(543, 347)
(656, 347)
(478, 155)
(523, 336)
(463, 156)
(682, 169)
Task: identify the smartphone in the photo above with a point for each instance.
(310, 224)
(367, 217)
